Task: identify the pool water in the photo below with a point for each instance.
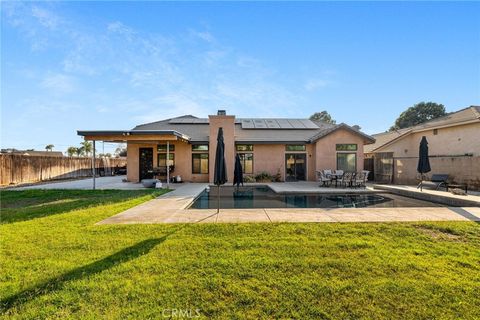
(264, 197)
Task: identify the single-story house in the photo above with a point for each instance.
(294, 148)
(454, 148)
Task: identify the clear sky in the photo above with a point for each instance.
(112, 65)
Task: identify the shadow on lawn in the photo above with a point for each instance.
(56, 283)
(127, 254)
(43, 203)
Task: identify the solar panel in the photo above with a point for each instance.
(247, 124)
(259, 124)
(284, 124)
(272, 124)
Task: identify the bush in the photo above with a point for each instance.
(263, 177)
(278, 176)
(248, 179)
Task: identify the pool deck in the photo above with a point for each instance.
(172, 208)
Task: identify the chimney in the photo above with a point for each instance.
(221, 113)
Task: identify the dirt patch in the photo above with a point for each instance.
(440, 234)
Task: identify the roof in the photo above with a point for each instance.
(463, 116)
(254, 130)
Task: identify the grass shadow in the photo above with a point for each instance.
(88, 270)
(20, 206)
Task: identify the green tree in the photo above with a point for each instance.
(49, 147)
(80, 152)
(419, 113)
(87, 147)
(71, 151)
(322, 116)
(121, 151)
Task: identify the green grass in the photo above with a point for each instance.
(56, 263)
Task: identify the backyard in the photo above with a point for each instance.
(56, 263)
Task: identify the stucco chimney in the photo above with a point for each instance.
(221, 120)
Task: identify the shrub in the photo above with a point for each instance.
(263, 177)
(278, 176)
(248, 179)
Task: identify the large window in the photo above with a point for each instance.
(347, 162)
(200, 163)
(246, 159)
(347, 147)
(292, 147)
(162, 159)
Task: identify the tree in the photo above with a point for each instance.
(87, 147)
(322, 116)
(80, 152)
(419, 113)
(357, 127)
(121, 151)
(71, 151)
(49, 147)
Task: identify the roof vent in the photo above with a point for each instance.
(221, 113)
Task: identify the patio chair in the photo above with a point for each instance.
(327, 172)
(346, 179)
(321, 177)
(436, 181)
(339, 172)
(359, 180)
(366, 173)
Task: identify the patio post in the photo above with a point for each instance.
(93, 164)
(168, 167)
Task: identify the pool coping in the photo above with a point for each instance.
(172, 207)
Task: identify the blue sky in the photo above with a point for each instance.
(112, 65)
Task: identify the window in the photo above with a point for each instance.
(435, 132)
(246, 159)
(163, 148)
(200, 163)
(300, 147)
(346, 147)
(347, 162)
(162, 158)
(200, 147)
(244, 147)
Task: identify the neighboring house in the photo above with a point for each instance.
(32, 153)
(454, 148)
(293, 147)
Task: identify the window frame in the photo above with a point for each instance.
(347, 153)
(164, 150)
(242, 161)
(200, 154)
(346, 145)
(293, 149)
(249, 147)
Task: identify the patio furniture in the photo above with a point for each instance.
(454, 186)
(436, 181)
(336, 176)
(346, 179)
(359, 180)
(149, 183)
(322, 177)
(366, 173)
(327, 172)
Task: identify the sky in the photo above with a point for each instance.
(68, 66)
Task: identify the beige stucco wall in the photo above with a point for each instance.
(326, 153)
(457, 140)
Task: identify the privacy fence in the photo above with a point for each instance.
(16, 169)
(403, 170)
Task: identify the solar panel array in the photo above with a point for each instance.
(278, 124)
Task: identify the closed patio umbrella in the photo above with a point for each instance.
(220, 170)
(238, 172)
(423, 161)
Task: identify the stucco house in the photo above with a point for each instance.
(293, 147)
(454, 148)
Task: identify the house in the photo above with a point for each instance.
(295, 148)
(454, 148)
(32, 153)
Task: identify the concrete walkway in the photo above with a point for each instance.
(101, 183)
(151, 212)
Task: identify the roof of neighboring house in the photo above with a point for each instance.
(254, 130)
(467, 115)
(33, 153)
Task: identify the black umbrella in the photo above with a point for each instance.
(220, 171)
(238, 172)
(423, 162)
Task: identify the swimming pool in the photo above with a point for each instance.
(264, 197)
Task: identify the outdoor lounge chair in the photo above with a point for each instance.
(322, 177)
(436, 181)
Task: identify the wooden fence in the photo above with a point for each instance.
(17, 169)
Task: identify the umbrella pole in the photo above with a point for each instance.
(218, 198)
(421, 184)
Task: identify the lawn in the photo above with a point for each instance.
(56, 263)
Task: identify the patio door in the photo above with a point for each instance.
(295, 166)
(146, 163)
